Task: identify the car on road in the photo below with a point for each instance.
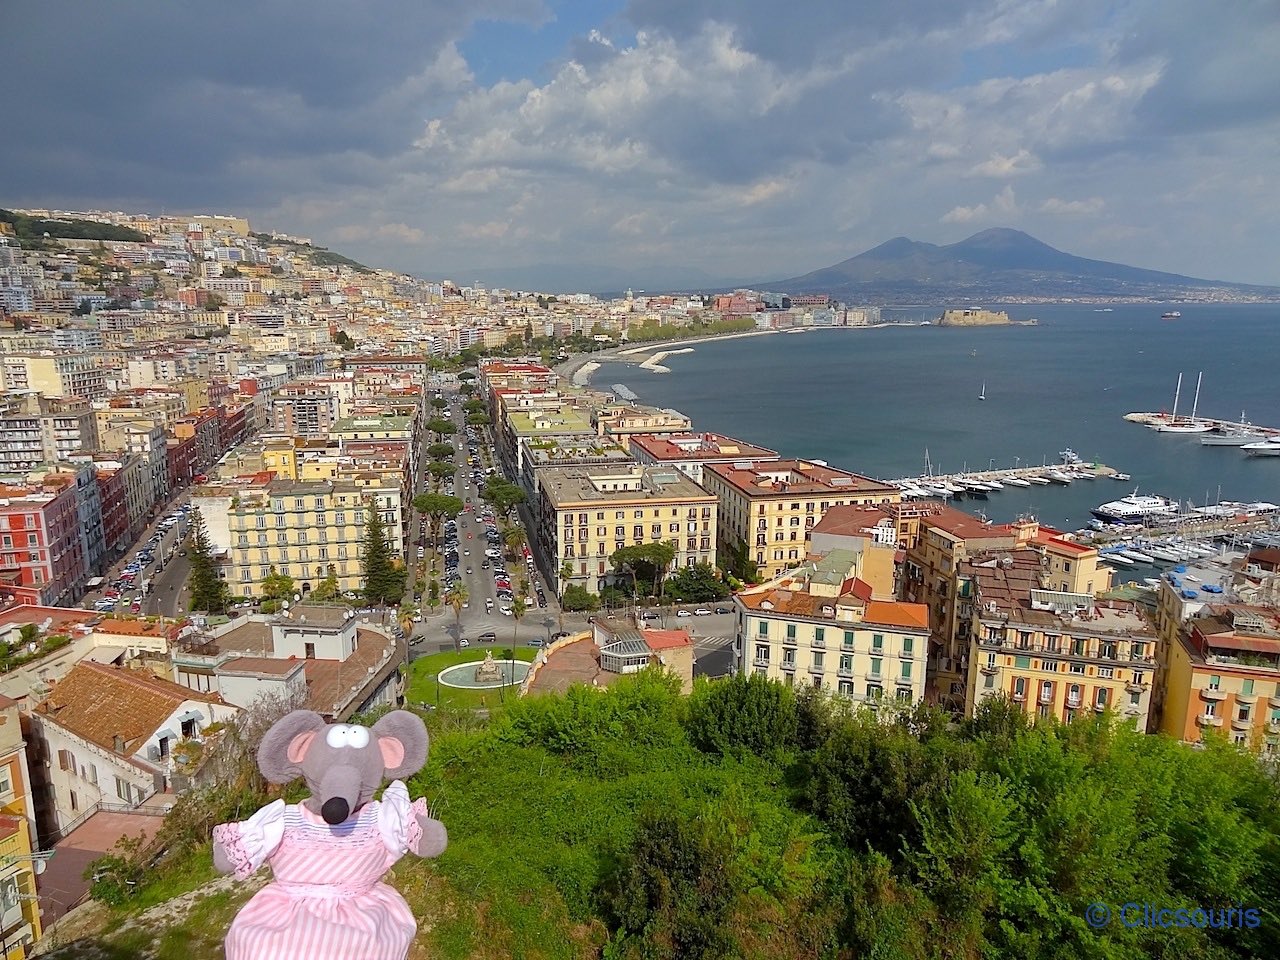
(535, 642)
(488, 637)
(417, 618)
(723, 610)
(702, 612)
(463, 642)
(505, 610)
(561, 635)
(683, 613)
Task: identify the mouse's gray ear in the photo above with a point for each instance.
(283, 749)
(402, 738)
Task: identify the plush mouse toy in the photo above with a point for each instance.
(328, 853)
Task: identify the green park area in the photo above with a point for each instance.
(424, 688)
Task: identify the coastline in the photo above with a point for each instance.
(579, 369)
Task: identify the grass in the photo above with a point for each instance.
(424, 688)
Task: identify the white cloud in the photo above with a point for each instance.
(1002, 167)
(1073, 208)
(1003, 207)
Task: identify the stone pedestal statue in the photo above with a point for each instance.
(488, 671)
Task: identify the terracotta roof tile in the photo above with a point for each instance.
(99, 703)
(913, 616)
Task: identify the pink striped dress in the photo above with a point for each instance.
(327, 901)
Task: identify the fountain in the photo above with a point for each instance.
(488, 671)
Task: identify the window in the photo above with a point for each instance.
(1100, 698)
(819, 660)
(309, 650)
(6, 781)
(875, 666)
(908, 643)
(791, 631)
(874, 691)
(847, 643)
(846, 663)
(1243, 712)
(1247, 689)
(789, 658)
(124, 790)
(1020, 688)
(762, 628)
(819, 635)
(877, 642)
(1046, 690)
(991, 661)
(762, 653)
(189, 729)
(1215, 683)
(906, 669)
(1022, 663)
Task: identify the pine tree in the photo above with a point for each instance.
(208, 591)
(383, 583)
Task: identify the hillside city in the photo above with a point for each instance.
(241, 470)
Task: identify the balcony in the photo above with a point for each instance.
(762, 661)
(789, 666)
(989, 671)
(1019, 697)
(1046, 696)
(1208, 720)
(789, 641)
(1135, 688)
(818, 644)
(1247, 698)
(1073, 703)
(845, 672)
(1239, 724)
(1274, 702)
(1212, 695)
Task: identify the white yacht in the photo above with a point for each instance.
(1137, 556)
(1017, 481)
(1233, 437)
(1039, 480)
(1058, 476)
(1263, 448)
(1173, 424)
(1136, 508)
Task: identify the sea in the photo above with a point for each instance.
(878, 401)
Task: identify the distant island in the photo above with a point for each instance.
(1001, 265)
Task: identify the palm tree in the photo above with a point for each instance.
(517, 611)
(514, 539)
(566, 574)
(456, 596)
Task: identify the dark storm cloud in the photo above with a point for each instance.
(175, 98)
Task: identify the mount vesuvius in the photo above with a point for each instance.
(1000, 264)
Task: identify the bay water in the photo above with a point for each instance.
(875, 400)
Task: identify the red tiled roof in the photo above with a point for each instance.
(666, 639)
(913, 616)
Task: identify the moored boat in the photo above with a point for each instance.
(1136, 508)
(1263, 448)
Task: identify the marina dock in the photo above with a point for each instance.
(1154, 420)
(981, 483)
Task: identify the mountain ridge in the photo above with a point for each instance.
(999, 262)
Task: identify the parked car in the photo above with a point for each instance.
(488, 637)
(702, 612)
(683, 613)
(535, 642)
(723, 610)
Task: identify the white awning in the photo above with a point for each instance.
(105, 654)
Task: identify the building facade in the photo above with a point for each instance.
(767, 510)
(586, 513)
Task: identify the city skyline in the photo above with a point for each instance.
(704, 138)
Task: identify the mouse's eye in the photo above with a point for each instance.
(339, 735)
(358, 737)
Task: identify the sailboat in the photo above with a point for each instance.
(983, 394)
(1172, 425)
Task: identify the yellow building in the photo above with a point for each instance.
(20, 919)
(55, 375)
(768, 509)
(301, 528)
(1055, 653)
(819, 626)
(1223, 676)
(586, 513)
(620, 422)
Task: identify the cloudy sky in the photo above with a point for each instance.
(662, 140)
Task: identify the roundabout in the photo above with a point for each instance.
(487, 674)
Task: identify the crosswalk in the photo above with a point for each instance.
(713, 643)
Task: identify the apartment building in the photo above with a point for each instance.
(107, 734)
(689, 452)
(767, 510)
(586, 513)
(301, 528)
(60, 375)
(1223, 676)
(621, 421)
(819, 626)
(550, 451)
(304, 410)
(42, 553)
(20, 923)
(37, 430)
(1054, 652)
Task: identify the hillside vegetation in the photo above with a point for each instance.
(747, 821)
(31, 230)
